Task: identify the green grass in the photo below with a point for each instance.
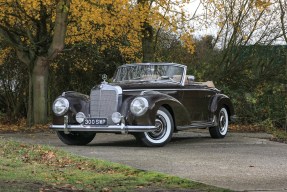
(39, 168)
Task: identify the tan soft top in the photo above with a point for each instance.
(208, 84)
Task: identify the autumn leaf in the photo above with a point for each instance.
(48, 156)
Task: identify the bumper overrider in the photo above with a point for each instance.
(121, 128)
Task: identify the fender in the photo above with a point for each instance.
(218, 101)
(77, 102)
(156, 100)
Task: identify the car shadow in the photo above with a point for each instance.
(133, 143)
(125, 143)
(198, 139)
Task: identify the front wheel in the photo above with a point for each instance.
(221, 129)
(162, 135)
(76, 138)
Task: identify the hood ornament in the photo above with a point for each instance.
(104, 78)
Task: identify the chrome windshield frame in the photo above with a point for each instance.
(183, 75)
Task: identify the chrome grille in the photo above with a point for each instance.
(103, 103)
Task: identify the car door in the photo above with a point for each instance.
(196, 100)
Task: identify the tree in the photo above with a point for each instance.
(163, 15)
(38, 30)
(283, 19)
(248, 65)
(240, 23)
(13, 88)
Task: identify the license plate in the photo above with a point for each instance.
(95, 121)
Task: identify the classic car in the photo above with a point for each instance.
(148, 100)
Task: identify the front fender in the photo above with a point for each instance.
(77, 103)
(156, 100)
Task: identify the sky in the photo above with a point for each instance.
(199, 30)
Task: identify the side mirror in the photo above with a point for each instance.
(191, 78)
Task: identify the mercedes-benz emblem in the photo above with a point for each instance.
(104, 77)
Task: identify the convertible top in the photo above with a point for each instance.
(207, 83)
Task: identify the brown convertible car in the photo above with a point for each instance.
(149, 100)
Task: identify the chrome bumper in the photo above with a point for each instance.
(111, 128)
(122, 128)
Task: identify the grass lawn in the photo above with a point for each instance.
(41, 168)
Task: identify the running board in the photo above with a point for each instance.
(196, 125)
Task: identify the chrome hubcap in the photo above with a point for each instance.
(160, 123)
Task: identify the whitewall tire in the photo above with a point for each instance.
(220, 131)
(163, 134)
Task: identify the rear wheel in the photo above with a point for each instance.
(221, 129)
(162, 135)
(76, 138)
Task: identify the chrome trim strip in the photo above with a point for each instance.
(183, 78)
(196, 125)
(110, 128)
(116, 88)
(135, 64)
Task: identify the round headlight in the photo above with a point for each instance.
(60, 106)
(80, 117)
(116, 117)
(139, 106)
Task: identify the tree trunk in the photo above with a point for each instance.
(147, 44)
(148, 49)
(40, 90)
(30, 120)
(39, 65)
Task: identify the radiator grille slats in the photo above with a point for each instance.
(103, 103)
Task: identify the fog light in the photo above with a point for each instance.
(80, 117)
(116, 117)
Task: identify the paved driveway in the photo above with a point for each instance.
(242, 162)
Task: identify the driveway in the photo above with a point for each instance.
(241, 162)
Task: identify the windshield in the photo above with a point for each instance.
(158, 73)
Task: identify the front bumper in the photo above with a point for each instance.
(110, 128)
(121, 128)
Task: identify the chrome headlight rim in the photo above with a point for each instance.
(60, 106)
(139, 106)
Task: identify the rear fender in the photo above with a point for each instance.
(220, 100)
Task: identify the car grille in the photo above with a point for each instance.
(103, 103)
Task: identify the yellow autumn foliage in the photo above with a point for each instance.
(104, 21)
(4, 53)
(263, 4)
